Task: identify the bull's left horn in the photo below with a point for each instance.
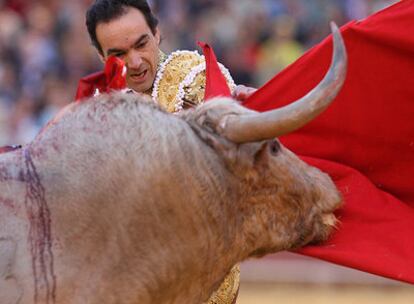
(261, 126)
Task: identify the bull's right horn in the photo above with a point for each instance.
(271, 124)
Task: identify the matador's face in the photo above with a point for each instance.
(130, 38)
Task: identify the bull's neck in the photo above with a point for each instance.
(210, 223)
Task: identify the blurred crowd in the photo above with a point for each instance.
(45, 50)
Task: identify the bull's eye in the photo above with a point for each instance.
(274, 147)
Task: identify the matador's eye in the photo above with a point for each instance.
(274, 147)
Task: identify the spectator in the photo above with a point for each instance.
(44, 48)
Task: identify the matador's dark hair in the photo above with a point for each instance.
(102, 11)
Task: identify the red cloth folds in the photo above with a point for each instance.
(6, 149)
(113, 77)
(365, 140)
(216, 84)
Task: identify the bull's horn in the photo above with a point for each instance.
(261, 126)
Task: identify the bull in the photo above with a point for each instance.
(117, 201)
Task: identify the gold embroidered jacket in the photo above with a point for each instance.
(180, 80)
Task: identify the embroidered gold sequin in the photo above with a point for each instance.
(195, 92)
(180, 81)
(176, 69)
(228, 290)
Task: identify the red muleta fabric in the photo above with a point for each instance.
(6, 149)
(365, 140)
(216, 84)
(113, 77)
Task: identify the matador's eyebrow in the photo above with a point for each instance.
(137, 42)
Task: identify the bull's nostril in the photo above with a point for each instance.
(274, 147)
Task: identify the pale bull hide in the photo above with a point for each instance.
(117, 201)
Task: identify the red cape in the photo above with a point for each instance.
(113, 77)
(365, 140)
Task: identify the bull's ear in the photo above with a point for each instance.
(239, 158)
(206, 122)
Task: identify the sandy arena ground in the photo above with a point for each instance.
(287, 278)
(267, 293)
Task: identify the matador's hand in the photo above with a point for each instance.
(241, 92)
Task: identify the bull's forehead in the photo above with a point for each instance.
(223, 104)
(213, 112)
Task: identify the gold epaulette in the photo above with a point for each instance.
(181, 79)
